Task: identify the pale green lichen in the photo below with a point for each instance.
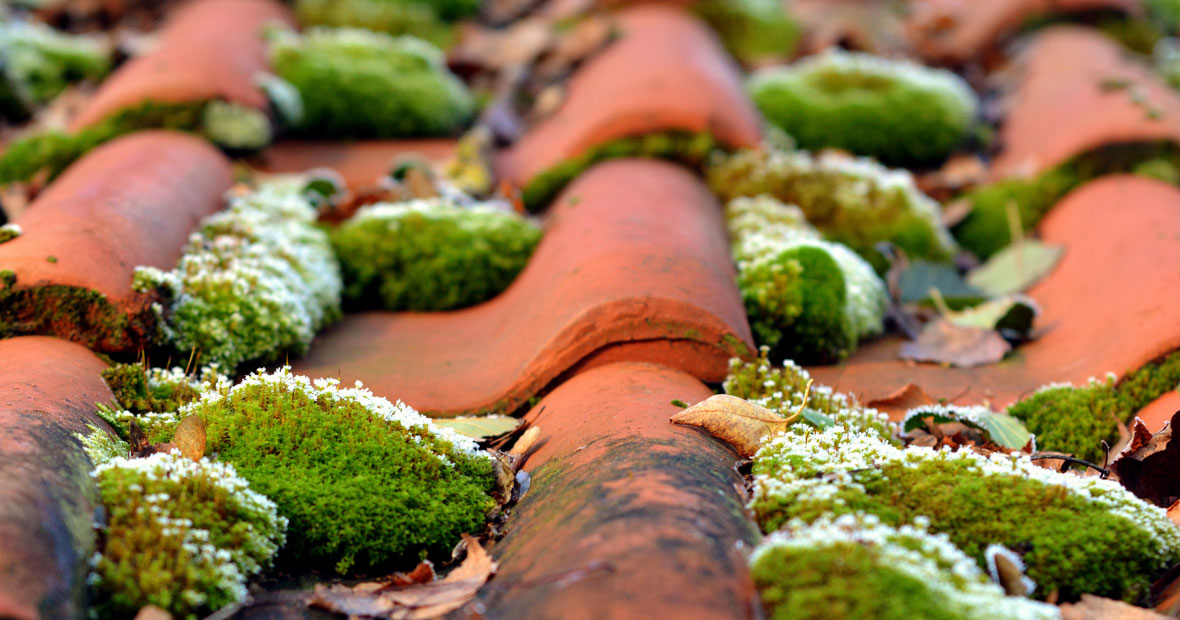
(360, 84)
(855, 566)
(853, 201)
(183, 535)
(897, 111)
(256, 280)
(808, 299)
(431, 254)
(37, 63)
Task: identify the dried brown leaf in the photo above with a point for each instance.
(738, 422)
(422, 573)
(902, 400)
(1150, 470)
(946, 343)
(151, 612)
(190, 437)
(526, 441)
(1098, 608)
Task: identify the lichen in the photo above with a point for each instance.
(897, 111)
(853, 201)
(428, 19)
(256, 280)
(38, 63)
(1075, 534)
(752, 30)
(690, 149)
(431, 254)
(1077, 419)
(366, 484)
(360, 84)
(183, 535)
(855, 566)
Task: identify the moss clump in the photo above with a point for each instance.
(1076, 420)
(856, 567)
(366, 484)
(257, 279)
(899, 112)
(431, 254)
(234, 126)
(687, 148)
(182, 535)
(140, 389)
(428, 19)
(37, 63)
(1075, 534)
(8, 232)
(986, 230)
(360, 84)
(82, 315)
(852, 201)
(807, 299)
(752, 30)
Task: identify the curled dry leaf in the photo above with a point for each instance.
(736, 421)
(419, 601)
(1098, 608)
(190, 437)
(946, 343)
(1149, 469)
(526, 441)
(901, 400)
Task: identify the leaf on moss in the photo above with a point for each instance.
(190, 437)
(734, 420)
(481, 428)
(1016, 267)
(417, 601)
(1148, 469)
(944, 342)
(1000, 428)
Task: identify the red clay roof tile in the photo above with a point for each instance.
(666, 72)
(48, 389)
(633, 250)
(209, 49)
(614, 484)
(132, 202)
(1160, 411)
(361, 163)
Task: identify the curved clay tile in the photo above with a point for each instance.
(955, 31)
(1160, 411)
(633, 250)
(361, 163)
(132, 202)
(48, 388)
(209, 49)
(640, 515)
(1109, 305)
(1078, 91)
(666, 72)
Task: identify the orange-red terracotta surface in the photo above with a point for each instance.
(1108, 306)
(1160, 411)
(627, 515)
(1077, 91)
(361, 164)
(131, 202)
(634, 250)
(956, 31)
(209, 49)
(48, 388)
(666, 72)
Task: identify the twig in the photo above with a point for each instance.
(1070, 459)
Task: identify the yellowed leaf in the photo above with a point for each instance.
(526, 441)
(734, 420)
(190, 437)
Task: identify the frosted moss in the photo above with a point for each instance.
(38, 63)
(8, 232)
(896, 111)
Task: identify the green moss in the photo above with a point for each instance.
(365, 483)
(8, 232)
(986, 229)
(899, 112)
(140, 389)
(53, 151)
(1076, 420)
(688, 148)
(428, 19)
(235, 126)
(360, 84)
(8, 278)
(38, 63)
(82, 315)
(751, 30)
(181, 535)
(431, 255)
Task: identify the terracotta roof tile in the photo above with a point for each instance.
(132, 202)
(614, 484)
(1109, 306)
(633, 250)
(667, 72)
(360, 163)
(1078, 91)
(1160, 411)
(209, 49)
(48, 388)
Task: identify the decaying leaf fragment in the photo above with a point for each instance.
(417, 601)
(901, 400)
(944, 342)
(190, 437)
(1098, 608)
(1148, 468)
(734, 420)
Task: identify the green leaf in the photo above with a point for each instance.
(1015, 268)
(915, 284)
(1013, 314)
(483, 427)
(818, 419)
(1003, 429)
(1006, 430)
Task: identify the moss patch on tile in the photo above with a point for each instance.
(82, 315)
(986, 230)
(751, 30)
(429, 19)
(429, 255)
(687, 148)
(37, 63)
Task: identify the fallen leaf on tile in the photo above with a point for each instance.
(901, 400)
(418, 601)
(481, 427)
(1012, 316)
(1149, 471)
(1098, 608)
(946, 343)
(190, 437)
(734, 420)
(1016, 267)
(526, 441)
(914, 284)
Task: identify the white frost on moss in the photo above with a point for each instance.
(8, 232)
